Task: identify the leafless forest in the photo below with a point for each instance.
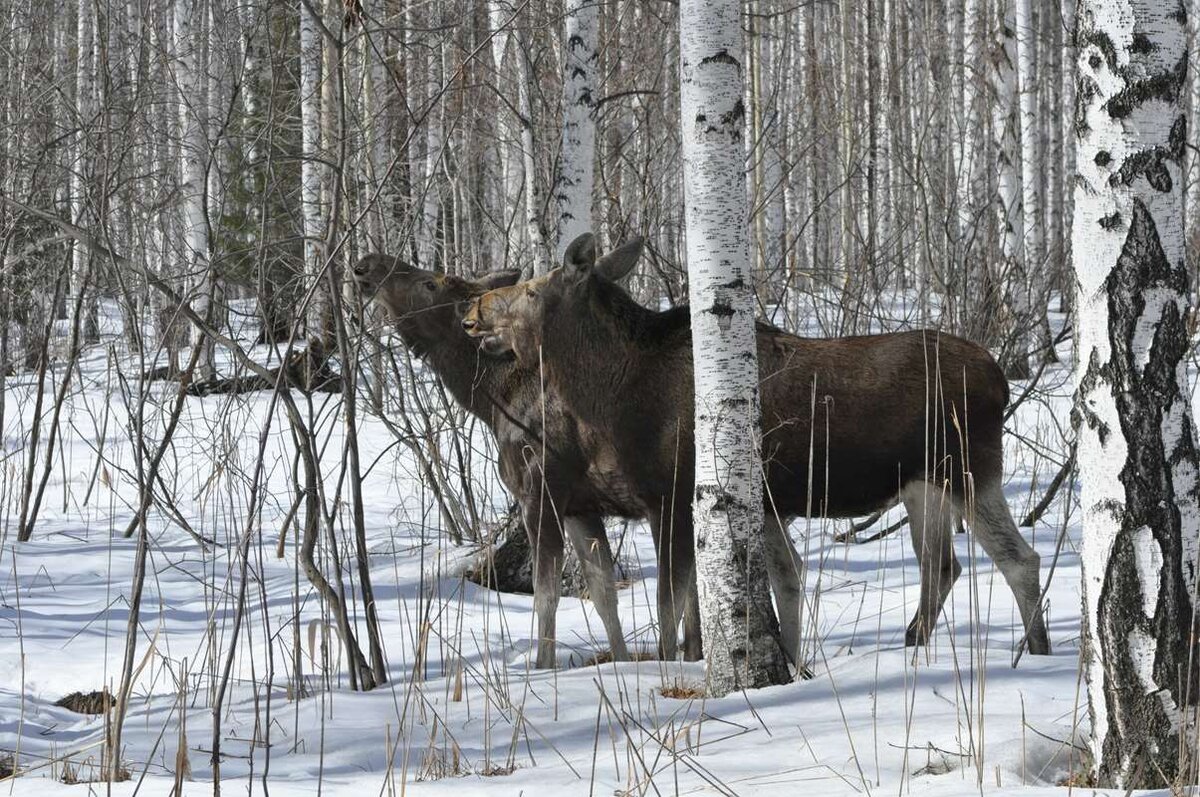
(196, 388)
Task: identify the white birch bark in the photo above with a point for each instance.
(193, 151)
(577, 157)
(85, 69)
(310, 167)
(886, 153)
(1137, 441)
(1058, 120)
(772, 166)
(798, 197)
(739, 627)
(1068, 142)
(508, 135)
(1192, 195)
(972, 121)
(874, 91)
(431, 201)
(1008, 156)
(1033, 237)
(377, 100)
(248, 14)
(533, 191)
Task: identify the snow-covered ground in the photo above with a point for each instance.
(469, 715)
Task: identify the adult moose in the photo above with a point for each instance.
(564, 481)
(847, 422)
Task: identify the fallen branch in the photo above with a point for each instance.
(302, 372)
(1052, 489)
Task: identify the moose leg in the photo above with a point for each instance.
(1018, 562)
(588, 536)
(676, 577)
(929, 520)
(693, 647)
(546, 541)
(783, 568)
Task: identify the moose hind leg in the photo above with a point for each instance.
(783, 568)
(693, 648)
(1016, 559)
(590, 540)
(676, 578)
(930, 515)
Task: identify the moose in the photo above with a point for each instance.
(848, 423)
(564, 480)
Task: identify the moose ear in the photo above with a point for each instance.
(500, 279)
(617, 264)
(581, 254)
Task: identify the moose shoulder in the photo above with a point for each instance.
(848, 423)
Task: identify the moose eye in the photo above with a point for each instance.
(429, 285)
(531, 293)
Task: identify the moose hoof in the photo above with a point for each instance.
(915, 637)
(1039, 645)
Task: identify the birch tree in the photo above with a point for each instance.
(511, 165)
(310, 171)
(573, 188)
(435, 142)
(1008, 165)
(85, 70)
(738, 624)
(533, 192)
(1137, 441)
(193, 153)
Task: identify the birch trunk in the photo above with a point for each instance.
(511, 165)
(1068, 145)
(739, 627)
(85, 70)
(1137, 440)
(1057, 119)
(798, 217)
(435, 141)
(1033, 237)
(310, 170)
(193, 152)
(533, 193)
(573, 188)
(874, 89)
(1192, 194)
(378, 102)
(772, 166)
(1008, 155)
(972, 127)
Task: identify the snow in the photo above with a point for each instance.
(475, 719)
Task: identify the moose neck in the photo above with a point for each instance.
(474, 379)
(596, 344)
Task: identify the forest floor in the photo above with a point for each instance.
(462, 712)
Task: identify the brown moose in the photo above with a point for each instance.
(564, 481)
(848, 423)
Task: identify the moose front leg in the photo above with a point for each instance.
(546, 542)
(590, 540)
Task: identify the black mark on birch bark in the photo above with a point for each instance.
(1164, 86)
(1151, 163)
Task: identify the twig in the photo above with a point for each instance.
(1052, 489)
